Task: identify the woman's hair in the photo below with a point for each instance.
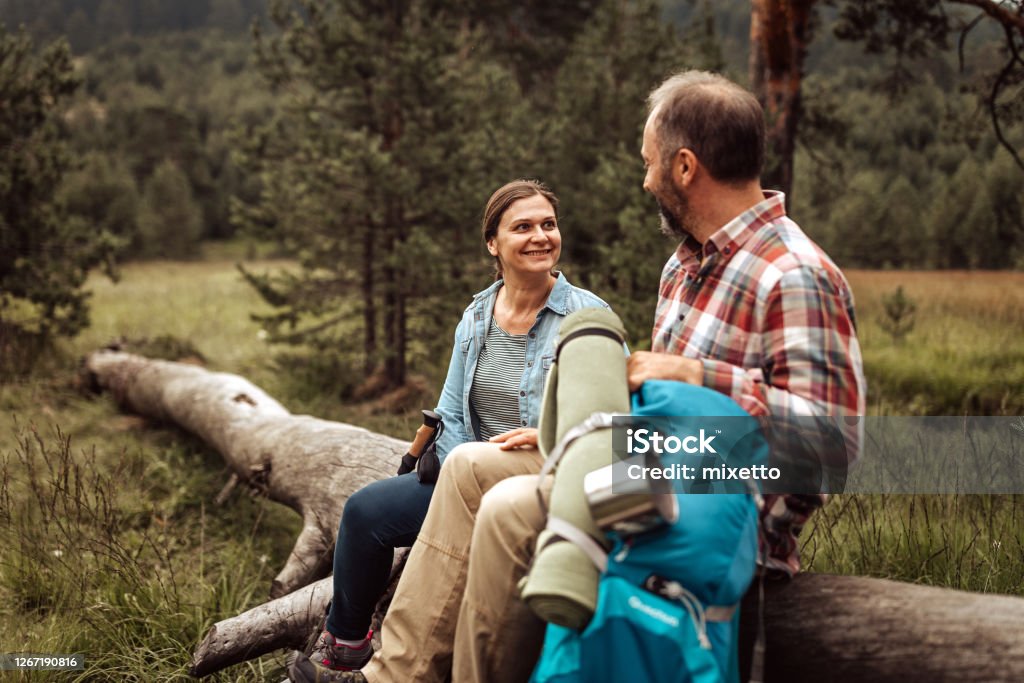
(503, 198)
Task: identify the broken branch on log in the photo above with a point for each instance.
(287, 622)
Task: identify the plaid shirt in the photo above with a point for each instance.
(771, 318)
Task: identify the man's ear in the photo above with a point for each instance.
(684, 168)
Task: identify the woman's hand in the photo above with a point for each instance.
(523, 437)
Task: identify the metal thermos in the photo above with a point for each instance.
(627, 506)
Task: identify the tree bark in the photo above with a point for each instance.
(368, 282)
(823, 628)
(779, 36)
(819, 627)
(290, 622)
(308, 464)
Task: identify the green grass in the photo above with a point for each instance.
(113, 547)
(118, 553)
(203, 302)
(957, 541)
(965, 353)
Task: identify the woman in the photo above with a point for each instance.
(504, 346)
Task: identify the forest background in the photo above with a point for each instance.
(299, 204)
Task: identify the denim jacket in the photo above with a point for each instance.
(460, 424)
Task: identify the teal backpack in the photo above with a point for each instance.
(668, 600)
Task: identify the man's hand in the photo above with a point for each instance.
(523, 437)
(644, 365)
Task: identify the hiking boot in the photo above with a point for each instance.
(304, 670)
(331, 654)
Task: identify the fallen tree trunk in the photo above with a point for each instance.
(822, 627)
(308, 464)
(819, 627)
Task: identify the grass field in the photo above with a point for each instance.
(113, 548)
(965, 353)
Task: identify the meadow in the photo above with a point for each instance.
(965, 352)
(113, 547)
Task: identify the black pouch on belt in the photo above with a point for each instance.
(423, 451)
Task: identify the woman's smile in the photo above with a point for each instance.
(527, 239)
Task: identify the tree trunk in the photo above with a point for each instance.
(369, 304)
(394, 221)
(310, 465)
(824, 628)
(819, 627)
(391, 352)
(779, 36)
(401, 330)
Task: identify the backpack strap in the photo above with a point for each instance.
(591, 424)
(587, 332)
(714, 613)
(699, 614)
(758, 654)
(572, 533)
(720, 613)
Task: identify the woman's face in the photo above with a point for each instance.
(528, 240)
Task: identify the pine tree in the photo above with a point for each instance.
(782, 30)
(44, 257)
(898, 320)
(395, 129)
(170, 222)
(102, 192)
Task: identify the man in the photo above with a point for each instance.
(748, 306)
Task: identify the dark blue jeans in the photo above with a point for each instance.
(378, 518)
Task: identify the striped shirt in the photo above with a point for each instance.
(771, 318)
(494, 396)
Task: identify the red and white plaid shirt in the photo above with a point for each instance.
(771, 318)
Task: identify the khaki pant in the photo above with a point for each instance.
(458, 592)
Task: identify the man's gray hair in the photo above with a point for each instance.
(720, 122)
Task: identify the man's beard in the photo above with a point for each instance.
(675, 219)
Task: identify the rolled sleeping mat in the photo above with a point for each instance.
(588, 377)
